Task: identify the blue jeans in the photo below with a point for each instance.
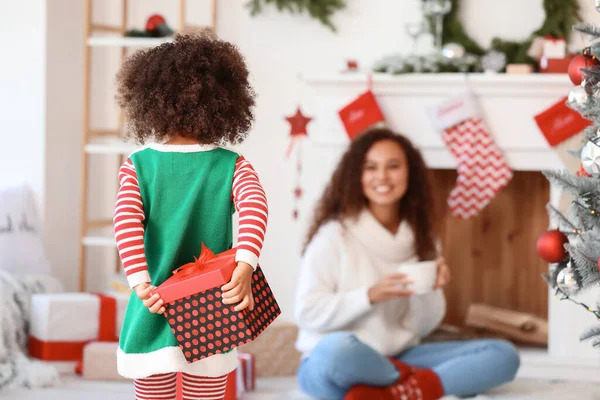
(467, 368)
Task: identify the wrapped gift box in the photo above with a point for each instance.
(63, 323)
(201, 323)
(275, 351)
(555, 65)
(100, 362)
(247, 370)
(554, 47)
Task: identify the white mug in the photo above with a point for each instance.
(422, 273)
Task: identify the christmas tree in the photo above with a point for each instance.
(573, 248)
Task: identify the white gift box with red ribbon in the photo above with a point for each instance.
(63, 323)
(554, 47)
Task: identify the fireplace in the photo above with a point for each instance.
(493, 255)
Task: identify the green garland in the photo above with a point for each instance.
(321, 10)
(561, 15)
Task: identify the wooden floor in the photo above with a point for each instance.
(285, 389)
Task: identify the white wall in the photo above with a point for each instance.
(64, 108)
(23, 95)
(277, 46)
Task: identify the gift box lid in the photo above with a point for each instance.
(206, 272)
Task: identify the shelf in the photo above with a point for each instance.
(118, 41)
(99, 241)
(431, 78)
(116, 148)
(444, 84)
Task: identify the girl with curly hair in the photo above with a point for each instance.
(186, 98)
(360, 325)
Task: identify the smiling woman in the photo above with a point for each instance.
(361, 312)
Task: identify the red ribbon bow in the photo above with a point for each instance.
(205, 256)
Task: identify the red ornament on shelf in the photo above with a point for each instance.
(578, 62)
(154, 21)
(550, 246)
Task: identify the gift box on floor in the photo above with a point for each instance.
(63, 323)
(247, 370)
(100, 362)
(275, 351)
(201, 323)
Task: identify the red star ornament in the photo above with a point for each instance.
(298, 129)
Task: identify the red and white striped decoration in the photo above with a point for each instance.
(482, 169)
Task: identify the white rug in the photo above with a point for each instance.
(285, 389)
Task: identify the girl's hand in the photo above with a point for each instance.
(443, 275)
(389, 287)
(239, 289)
(154, 303)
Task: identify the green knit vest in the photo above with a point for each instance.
(187, 201)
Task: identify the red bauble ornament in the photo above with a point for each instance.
(154, 21)
(550, 246)
(578, 62)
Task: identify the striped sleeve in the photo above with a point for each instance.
(128, 226)
(251, 204)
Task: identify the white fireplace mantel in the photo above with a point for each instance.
(508, 104)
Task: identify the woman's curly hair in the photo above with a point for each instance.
(344, 198)
(196, 86)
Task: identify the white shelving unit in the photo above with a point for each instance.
(111, 41)
(101, 241)
(110, 148)
(109, 143)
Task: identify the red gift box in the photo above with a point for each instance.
(248, 371)
(559, 122)
(201, 323)
(361, 114)
(555, 65)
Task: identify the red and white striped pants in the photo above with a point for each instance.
(164, 387)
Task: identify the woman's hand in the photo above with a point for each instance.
(154, 303)
(239, 289)
(390, 287)
(443, 275)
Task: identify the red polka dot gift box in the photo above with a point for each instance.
(201, 323)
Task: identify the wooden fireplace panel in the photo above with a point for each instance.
(492, 256)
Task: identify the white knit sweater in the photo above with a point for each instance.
(340, 264)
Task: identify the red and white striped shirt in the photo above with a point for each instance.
(249, 200)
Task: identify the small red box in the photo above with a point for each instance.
(201, 323)
(559, 122)
(361, 114)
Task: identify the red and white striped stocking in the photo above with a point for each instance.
(164, 387)
(482, 169)
(203, 387)
(156, 387)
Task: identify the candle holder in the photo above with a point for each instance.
(437, 9)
